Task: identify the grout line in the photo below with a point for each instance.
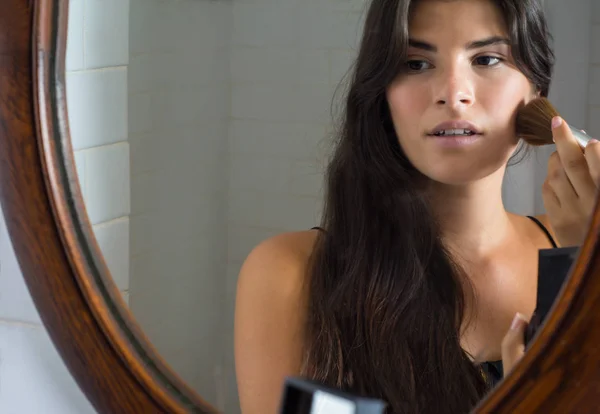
(104, 69)
(110, 222)
(16, 322)
(95, 147)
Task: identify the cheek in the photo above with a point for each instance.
(503, 100)
(407, 105)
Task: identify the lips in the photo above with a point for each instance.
(455, 128)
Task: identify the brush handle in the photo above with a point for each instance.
(581, 137)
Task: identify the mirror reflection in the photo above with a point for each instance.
(335, 189)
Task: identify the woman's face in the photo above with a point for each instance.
(459, 72)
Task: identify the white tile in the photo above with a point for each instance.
(329, 29)
(148, 26)
(281, 103)
(145, 153)
(144, 237)
(245, 207)
(140, 73)
(15, 301)
(34, 377)
(80, 164)
(97, 104)
(292, 140)
(340, 64)
(190, 183)
(595, 11)
(106, 33)
(263, 25)
(594, 90)
(596, 44)
(144, 193)
(306, 179)
(291, 213)
(108, 182)
(266, 174)
(210, 22)
(242, 239)
(188, 105)
(202, 67)
(140, 113)
(279, 65)
(290, 25)
(74, 59)
(113, 239)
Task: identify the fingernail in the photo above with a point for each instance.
(592, 141)
(556, 122)
(517, 321)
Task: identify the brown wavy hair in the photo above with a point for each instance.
(386, 299)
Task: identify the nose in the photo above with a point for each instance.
(455, 90)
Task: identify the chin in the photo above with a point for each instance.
(453, 175)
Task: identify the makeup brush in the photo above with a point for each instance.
(534, 124)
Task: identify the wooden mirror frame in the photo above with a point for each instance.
(80, 306)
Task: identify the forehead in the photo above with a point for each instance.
(455, 20)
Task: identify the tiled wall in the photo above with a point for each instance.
(287, 59)
(97, 58)
(179, 105)
(569, 92)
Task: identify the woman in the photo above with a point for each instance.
(418, 271)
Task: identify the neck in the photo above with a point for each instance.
(472, 217)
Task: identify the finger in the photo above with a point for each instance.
(592, 156)
(572, 158)
(513, 344)
(551, 200)
(559, 182)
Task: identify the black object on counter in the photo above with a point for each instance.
(553, 269)
(302, 396)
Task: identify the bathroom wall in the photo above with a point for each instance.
(179, 105)
(570, 26)
(287, 59)
(97, 58)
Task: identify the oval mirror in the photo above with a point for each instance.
(189, 160)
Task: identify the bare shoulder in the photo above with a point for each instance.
(543, 218)
(279, 262)
(271, 308)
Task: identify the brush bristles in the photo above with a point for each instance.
(534, 122)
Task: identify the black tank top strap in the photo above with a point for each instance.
(544, 229)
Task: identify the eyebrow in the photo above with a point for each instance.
(490, 41)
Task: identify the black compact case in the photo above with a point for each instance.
(553, 268)
(301, 396)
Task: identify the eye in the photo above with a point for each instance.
(488, 60)
(417, 65)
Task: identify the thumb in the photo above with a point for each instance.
(513, 344)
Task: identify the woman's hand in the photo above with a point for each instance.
(570, 188)
(513, 344)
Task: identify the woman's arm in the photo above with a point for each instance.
(269, 322)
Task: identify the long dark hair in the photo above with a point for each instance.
(386, 299)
